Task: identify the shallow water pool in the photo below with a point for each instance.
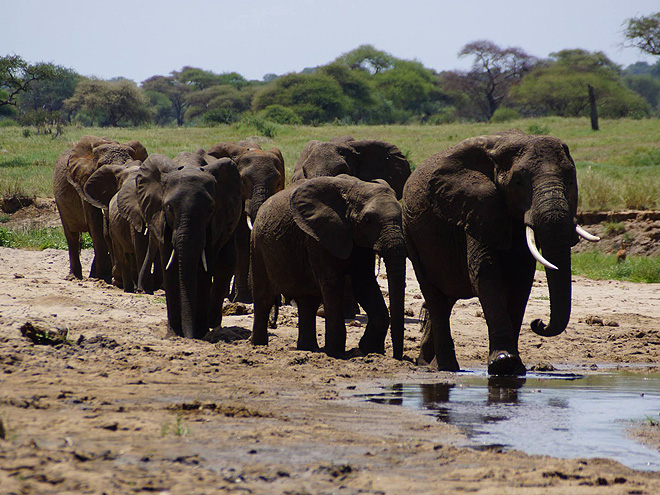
(557, 414)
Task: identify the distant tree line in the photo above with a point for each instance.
(363, 86)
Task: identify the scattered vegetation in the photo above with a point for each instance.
(178, 429)
(600, 266)
(38, 239)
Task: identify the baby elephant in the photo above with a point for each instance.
(308, 238)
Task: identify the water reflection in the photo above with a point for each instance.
(561, 415)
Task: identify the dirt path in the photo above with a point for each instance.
(123, 409)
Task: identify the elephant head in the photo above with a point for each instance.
(491, 185)
(92, 152)
(343, 211)
(192, 204)
(107, 181)
(262, 172)
(366, 159)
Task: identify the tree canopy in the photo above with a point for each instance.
(362, 86)
(643, 32)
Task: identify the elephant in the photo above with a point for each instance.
(192, 205)
(72, 170)
(366, 159)
(472, 215)
(308, 238)
(263, 175)
(113, 188)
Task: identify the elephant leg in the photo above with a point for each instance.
(73, 242)
(307, 308)
(102, 264)
(241, 291)
(438, 334)
(332, 290)
(224, 268)
(124, 261)
(202, 306)
(489, 283)
(520, 279)
(369, 296)
(141, 248)
(263, 299)
(172, 292)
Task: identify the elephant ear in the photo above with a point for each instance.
(228, 198)
(103, 185)
(81, 164)
(381, 160)
(128, 201)
(279, 164)
(139, 151)
(150, 191)
(464, 192)
(227, 150)
(319, 209)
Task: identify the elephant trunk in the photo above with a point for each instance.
(553, 225)
(252, 205)
(396, 282)
(189, 250)
(391, 247)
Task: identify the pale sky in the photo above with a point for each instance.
(138, 39)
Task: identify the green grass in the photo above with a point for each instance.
(618, 166)
(599, 266)
(38, 239)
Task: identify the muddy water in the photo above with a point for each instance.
(561, 415)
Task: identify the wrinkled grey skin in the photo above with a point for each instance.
(308, 238)
(192, 205)
(465, 211)
(262, 173)
(366, 159)
(113, 189)
(72, 170)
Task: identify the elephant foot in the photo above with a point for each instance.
(369, 348)
(308, 347)
(505, 363)
(335, 353)
(449, 364)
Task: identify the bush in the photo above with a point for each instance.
(504, 114)
(280, 115)
(447, 115)
(264, 127)
(220, 116)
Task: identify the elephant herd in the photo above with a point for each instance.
(469, 218)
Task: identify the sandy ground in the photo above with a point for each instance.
(121, 408)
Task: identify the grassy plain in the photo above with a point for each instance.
(618, 166)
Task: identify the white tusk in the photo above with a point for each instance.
(169, 263)
(146, 230)
(531, 244)
(206, 268)
(249, 222)
(586, 235)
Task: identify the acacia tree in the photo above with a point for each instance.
(560, 87)
(644, 33)
(111, 102)
(176, 91)
(17, 76)
(494, 72)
